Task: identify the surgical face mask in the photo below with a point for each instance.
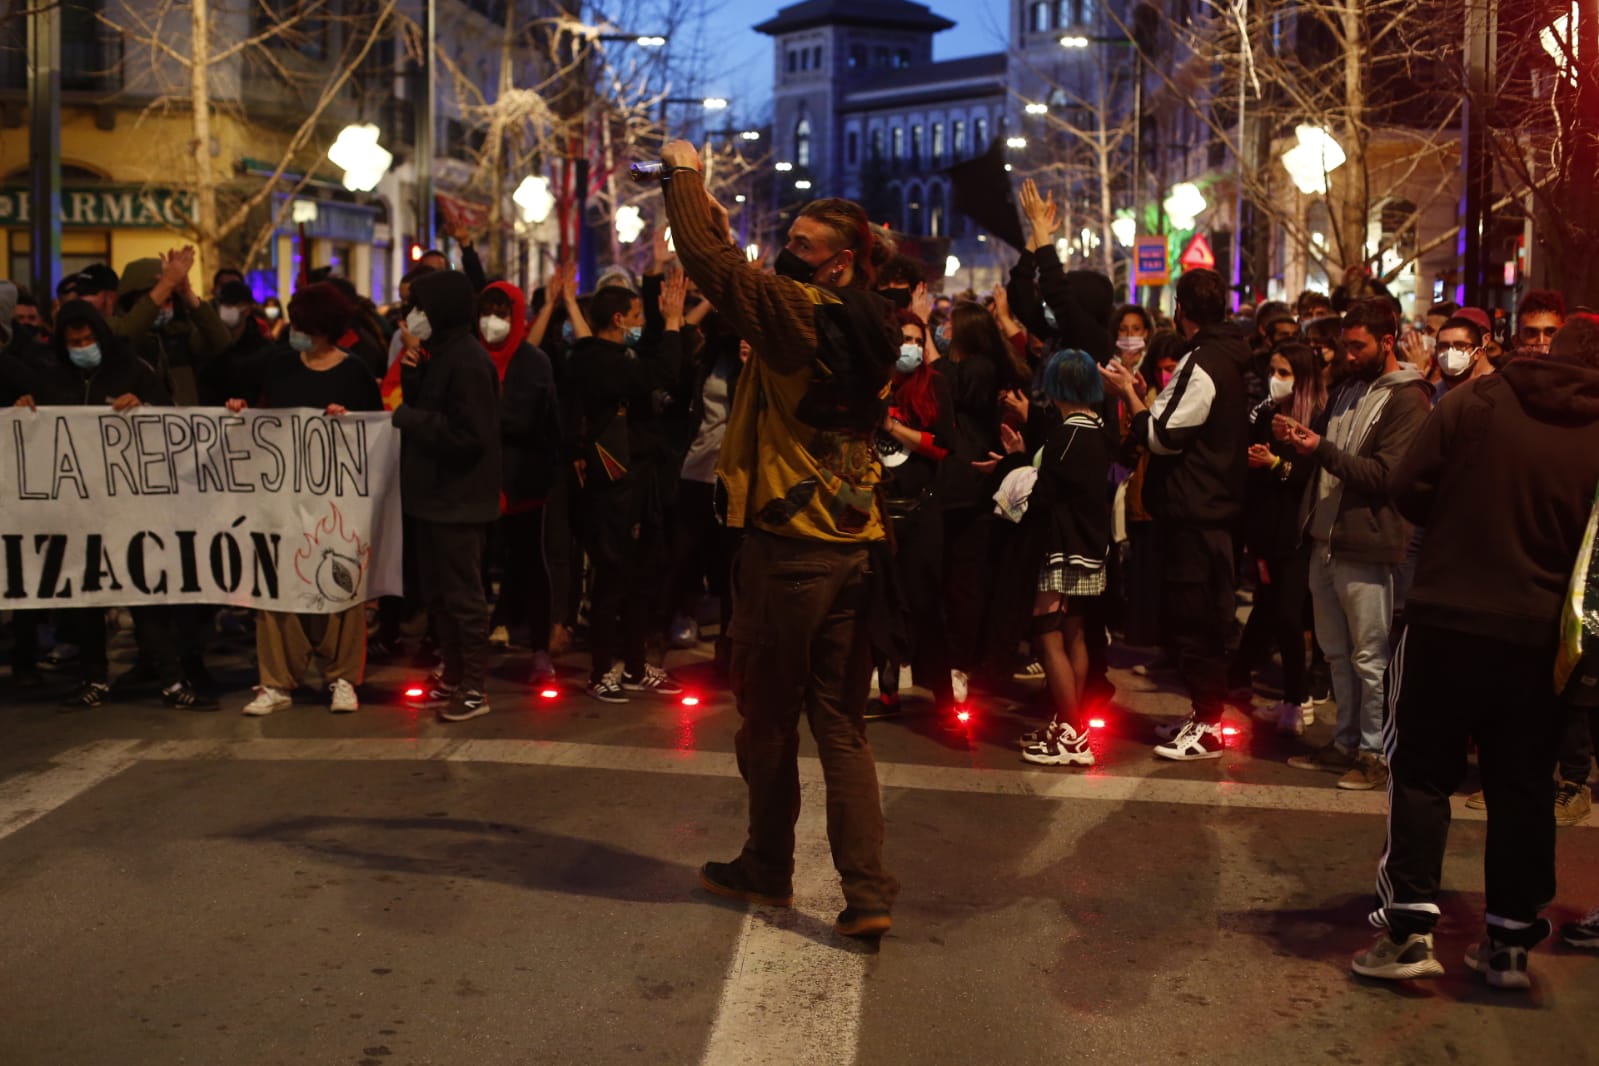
(85, 358)
(493, 328)
(162, 317)
(910, 357)
(417, 324)
(300, 342)
(1454, 362)
(941, 339)
(632, 335)
(272, 313)
(1129, 345)
(231, 316)
(1281, 389)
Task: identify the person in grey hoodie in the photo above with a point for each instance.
(1358, 538)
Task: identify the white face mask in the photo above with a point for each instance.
(1428, 343)
(417, 324)
(231, 316)
(1128, 345)
(1281, 389)
(493, 329)
(272, 313)
(1454, 363)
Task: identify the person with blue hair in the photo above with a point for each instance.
(1065, 532)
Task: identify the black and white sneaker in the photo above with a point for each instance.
(87, 696)
(1062, 746)
(182, 694)
(655, 680)
(467, 704)
(1195, 740)
(1501, 965)
(441, 694)
(1583, 934)
(607, 689)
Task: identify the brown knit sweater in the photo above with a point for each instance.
(780, 474)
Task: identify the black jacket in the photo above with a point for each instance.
(974, 391)
(1068, 512)
(530, 426)
(1501, 476)
(450, 451)
(1272, 519)
(61, 384)
(1198, 434)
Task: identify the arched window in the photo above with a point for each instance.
(802, 143)
(936, 224)
(979, 134)
(915, 210)
(896, 201)
(916, 144)
(898, 142)
(959, 132)
(1041, 21)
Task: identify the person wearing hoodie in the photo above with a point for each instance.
(92, 368)
(530, 442)
(1197, 432)
(166, 324)
(1502, 479)
(450, 479)
(1358, 538)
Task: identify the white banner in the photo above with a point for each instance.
(284, 510)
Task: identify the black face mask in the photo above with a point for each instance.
(789, 265)
(900, 298)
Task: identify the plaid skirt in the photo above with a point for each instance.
(1059, 576)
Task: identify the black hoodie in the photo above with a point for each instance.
(61, 384)
(1501, 476)
(450, 453)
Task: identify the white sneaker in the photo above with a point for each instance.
(266, 701)
(1061, 745)
(1196, 740)
(1291, 719)
(343, 699)
(957, 681)
(1307, 712)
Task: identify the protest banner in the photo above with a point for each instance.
(283, 510)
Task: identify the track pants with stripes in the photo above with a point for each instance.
(1445, 689)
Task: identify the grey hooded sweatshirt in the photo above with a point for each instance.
(1365, 431)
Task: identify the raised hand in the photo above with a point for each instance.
(1043, 216)
(674, 294)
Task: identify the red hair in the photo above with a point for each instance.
(914, 395)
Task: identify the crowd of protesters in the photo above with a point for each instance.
(949, 492)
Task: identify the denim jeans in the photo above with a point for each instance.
(1354, 607)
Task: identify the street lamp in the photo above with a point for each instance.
(802, 184)
(750, 135)
(1310, 161)
(1074, 42)
(1037, 109)
(714, 103)
(782, 168)
(650, 42)
(1125, 229)
(952, 266)
(533, 197)
(363, 159)
(629, 223)
(1184, 204)
(1016, 142)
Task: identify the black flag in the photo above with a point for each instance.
(983, 194)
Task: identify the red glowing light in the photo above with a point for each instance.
(549, 694)
(1229, 731)
(963, 716)
(1096, 723)
(414, 691)
(691, 701)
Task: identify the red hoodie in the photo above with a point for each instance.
(502, 352)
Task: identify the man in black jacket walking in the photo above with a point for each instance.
(1501, 477)
(450, 478)
(1198, 436)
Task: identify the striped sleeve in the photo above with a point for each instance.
(1181, 409)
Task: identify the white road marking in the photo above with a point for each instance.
(794, 988)
(27, 797)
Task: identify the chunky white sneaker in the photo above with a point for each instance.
(266, 701)
(1399, 960)
(958, 682)
(1291, 719)
(1196, 740)
(342, 698)
(1062, 746)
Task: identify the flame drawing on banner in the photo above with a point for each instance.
(336, 567)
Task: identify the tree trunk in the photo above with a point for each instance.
(205, 189)
(1354, 205)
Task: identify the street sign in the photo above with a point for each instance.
(1198, 255)
(1150, 259)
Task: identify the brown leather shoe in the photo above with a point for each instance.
(728, 879)
(852, 922)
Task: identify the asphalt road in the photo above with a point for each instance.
(381, 889)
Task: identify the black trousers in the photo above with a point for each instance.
(1197, 595)
(525, 588)
(967, 580)
(1444, 690)
(1278, 617)
(449, 558)
(918, 562)
(1576, 746)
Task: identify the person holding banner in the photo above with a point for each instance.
(313, 373)
(91, 368)
(450, 477)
